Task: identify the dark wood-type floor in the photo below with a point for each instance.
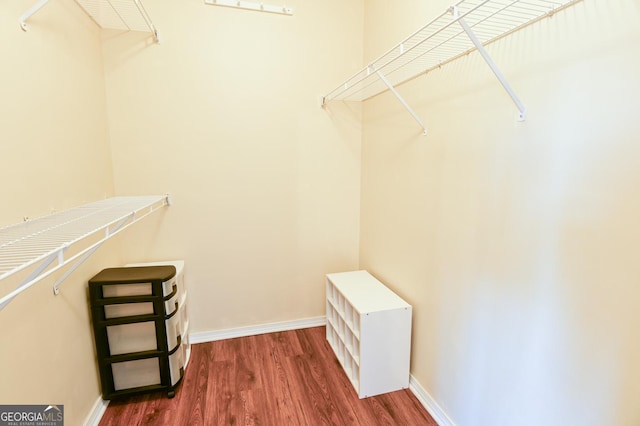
(287, 378)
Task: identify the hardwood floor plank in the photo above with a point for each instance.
(344, 397)
(334, 388)
(279, 402)
(286, 378)
(192, 404)
(222, 404)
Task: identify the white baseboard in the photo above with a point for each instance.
(429, 403)
(212, 336)
(93, 419)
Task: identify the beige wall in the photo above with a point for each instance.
(224, 115)
(517, 243)
(52, 119)
(54, 155)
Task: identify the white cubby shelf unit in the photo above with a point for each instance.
(369, 329)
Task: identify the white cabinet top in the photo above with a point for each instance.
(365, 293)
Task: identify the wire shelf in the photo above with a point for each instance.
(129, 15)
(38, 243)
(119, 14)
(442, 40)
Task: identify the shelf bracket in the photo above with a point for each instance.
(29, 13)
(485, 55)
(33, 276)
(147, 20)
(400, 98)
(90, 251)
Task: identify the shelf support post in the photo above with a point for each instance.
(29, 13)
(33, 276)
(485, 55)
(400, 98)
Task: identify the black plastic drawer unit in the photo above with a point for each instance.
(137, 329)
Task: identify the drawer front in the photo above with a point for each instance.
(123, 290)
(136, 337)
(128, 310)
(137, 289)
(173, 331)
(141, 336)
(171, 305)
(176, 365)
(133, 374)
(167, 286)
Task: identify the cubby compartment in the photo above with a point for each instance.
(348, 315)
(369, 330)
(128, 310)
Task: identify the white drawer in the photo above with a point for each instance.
(137, 289)
(141, 336)
(133, 374)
